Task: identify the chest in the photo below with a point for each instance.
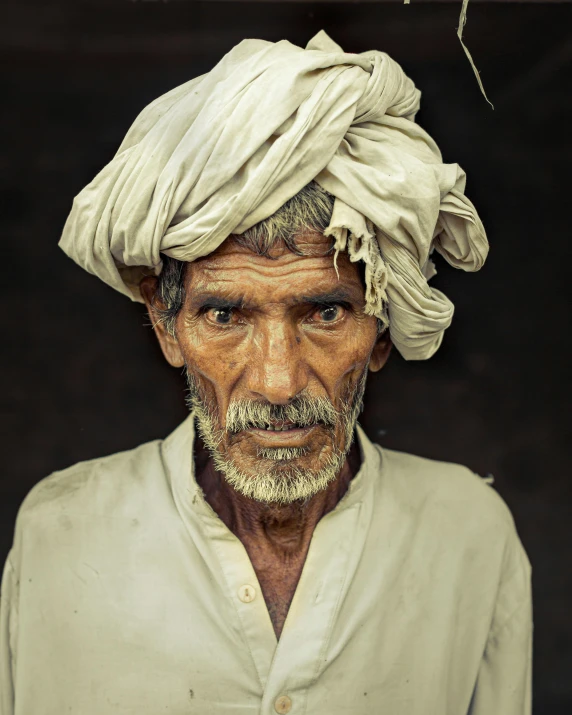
(357, 631)
(278, 582)
(161, 623)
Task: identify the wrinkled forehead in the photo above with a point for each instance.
(234, 267)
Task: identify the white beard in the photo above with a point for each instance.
(290, 485)
(273, 483)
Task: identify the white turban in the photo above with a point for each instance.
(226, 150)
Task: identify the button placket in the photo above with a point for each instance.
(334, 552)
(242, 583)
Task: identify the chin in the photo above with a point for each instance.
(250, 456)
(280, 481)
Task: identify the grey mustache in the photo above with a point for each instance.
(302, 412)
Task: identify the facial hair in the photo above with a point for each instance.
(277, 478)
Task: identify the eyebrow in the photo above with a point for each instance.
(337, 295)
(208, 300)
(201, 301)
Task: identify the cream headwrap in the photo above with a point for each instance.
(226, 150)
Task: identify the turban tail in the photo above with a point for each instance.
(226, 150)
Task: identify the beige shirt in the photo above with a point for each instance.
(125, 593)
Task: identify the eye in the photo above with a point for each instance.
(220, 316)
(328, 313)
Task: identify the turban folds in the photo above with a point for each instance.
(226, 150)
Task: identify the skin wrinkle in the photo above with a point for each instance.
(277, 347)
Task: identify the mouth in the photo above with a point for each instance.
(280, 426)
(283, 432)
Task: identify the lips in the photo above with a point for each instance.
(282, 434)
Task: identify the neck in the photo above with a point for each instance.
(282, 531)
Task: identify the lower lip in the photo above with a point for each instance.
(283, 436)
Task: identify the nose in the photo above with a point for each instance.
(277, 372)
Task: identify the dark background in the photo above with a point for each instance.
(82, 374)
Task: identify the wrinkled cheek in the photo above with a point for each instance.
(208, 379)
(217, 381)
(348, 386)
(353, 385)
(345, 373)
(217, 359)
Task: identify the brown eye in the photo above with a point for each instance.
(329, 313)
(221, 316)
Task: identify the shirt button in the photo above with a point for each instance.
(283, 704)
(246, 594)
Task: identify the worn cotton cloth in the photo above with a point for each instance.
(226, 150)
(124, 593)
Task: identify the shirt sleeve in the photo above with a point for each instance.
(504, 682)
(7, 626)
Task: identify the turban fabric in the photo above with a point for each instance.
(226, 150)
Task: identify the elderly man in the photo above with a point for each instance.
(276, 216)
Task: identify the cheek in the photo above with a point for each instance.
(341, 365)
(215, 369)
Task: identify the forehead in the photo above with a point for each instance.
(233, 269)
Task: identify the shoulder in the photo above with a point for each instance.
(99, 486)
(456, 519)
(445, 492)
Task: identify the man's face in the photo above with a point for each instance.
(276, 351)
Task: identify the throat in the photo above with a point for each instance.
(278, 535)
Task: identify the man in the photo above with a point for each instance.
(276, 216)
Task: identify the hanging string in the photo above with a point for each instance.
(462, 23)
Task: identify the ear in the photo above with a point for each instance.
(381, 351)
(169, 343)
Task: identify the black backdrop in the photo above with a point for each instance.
(82, 374)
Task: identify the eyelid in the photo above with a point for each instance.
(217, 306)
(333, 304)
